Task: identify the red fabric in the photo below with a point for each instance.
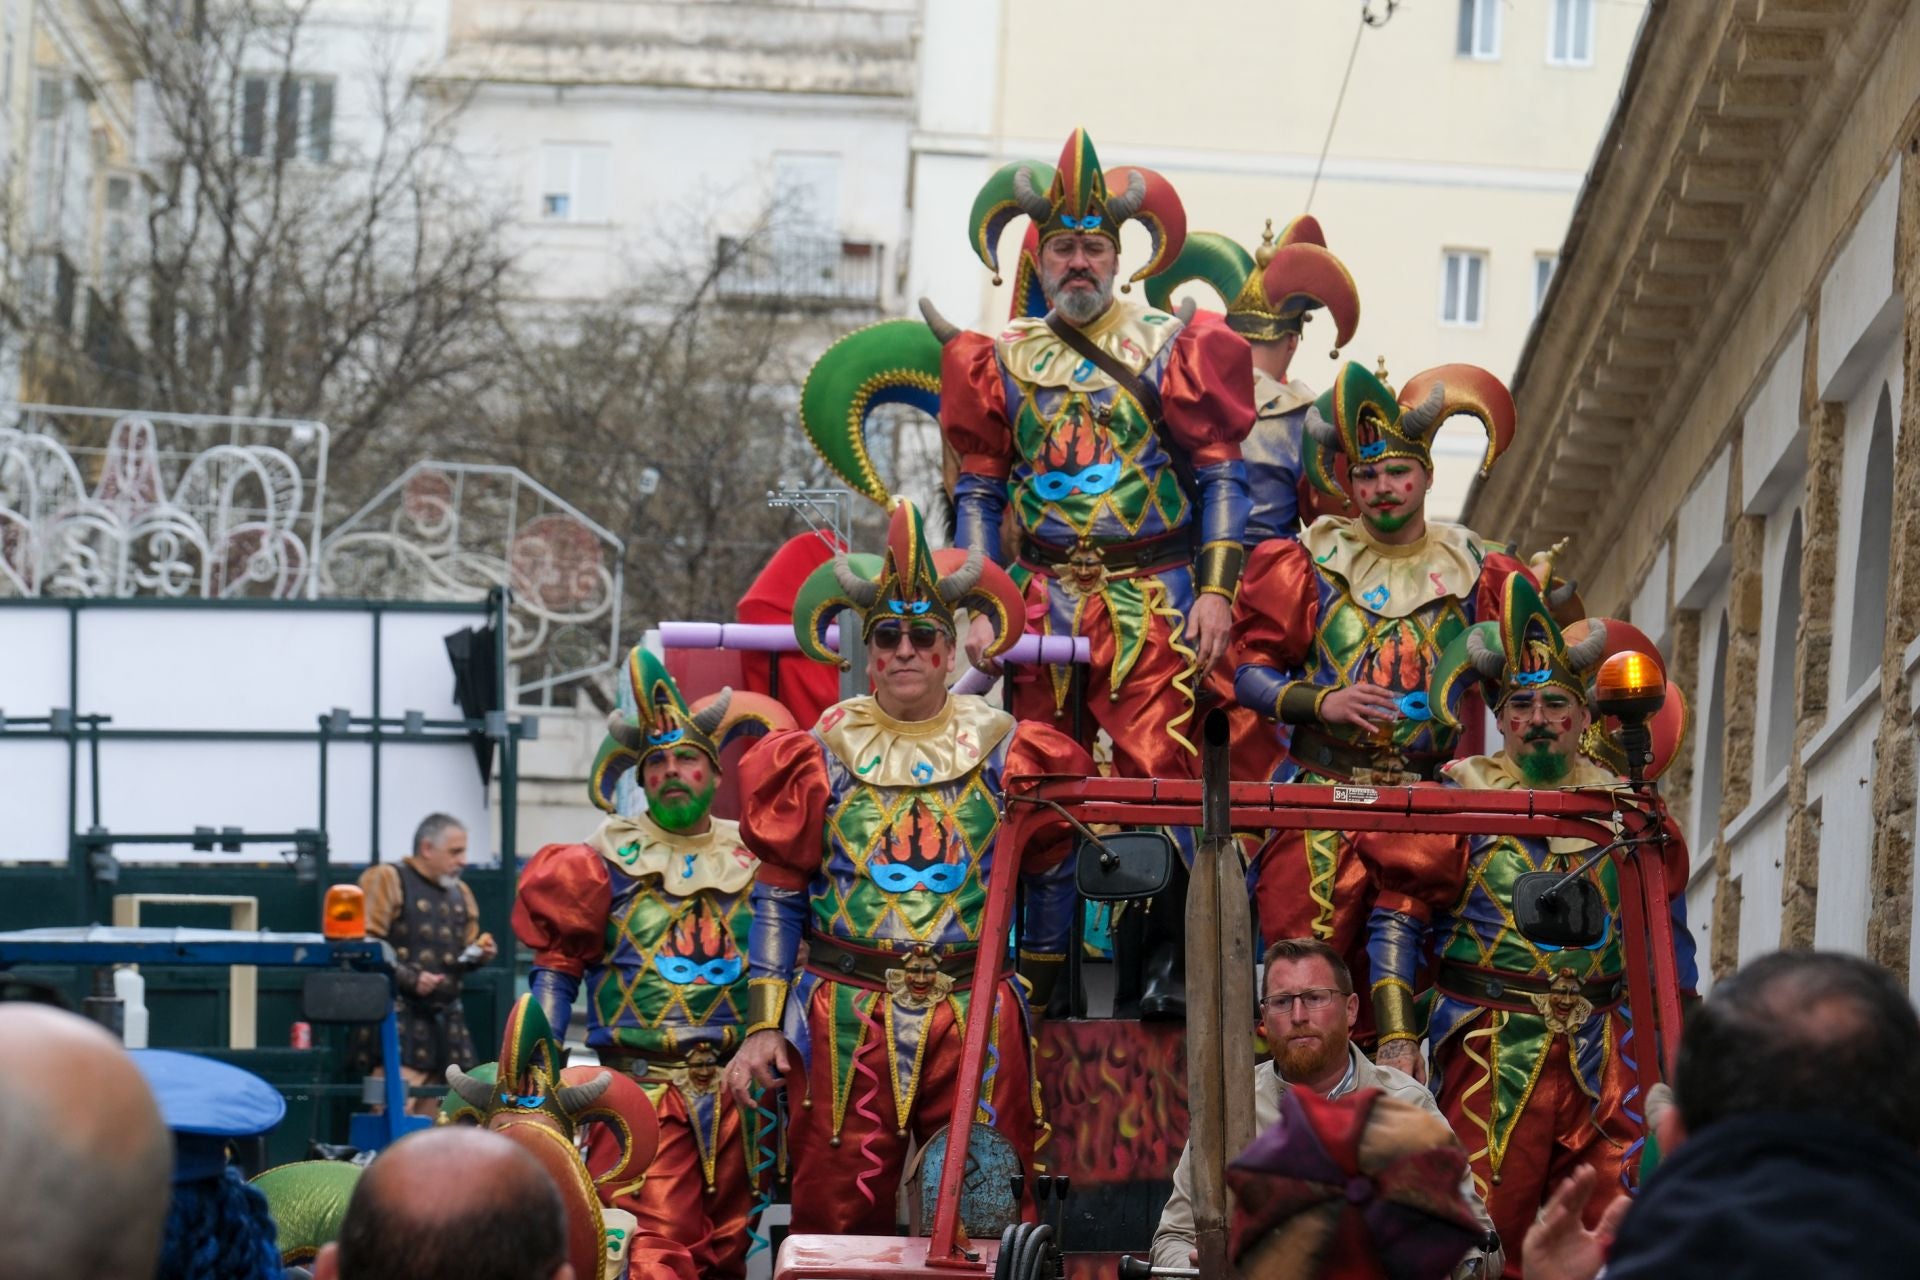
(1422, 873)
(1135, 716)
(560, 912)
(1043, 838)
(673, 1202)
(1282, 876)
(1560, 1130)
(973, 406)
(806, 687)
(1494, 572)
(1256, 745)
(827, 1178)
(1276, 614)
(783, 783)
(1207, 393)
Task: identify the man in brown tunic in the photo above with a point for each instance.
(429, 916)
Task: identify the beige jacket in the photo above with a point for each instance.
(1174, 1238)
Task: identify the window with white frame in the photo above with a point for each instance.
(1479, 33)
(1543, 268)
(286, 118)
(1570, 33)
(1872, 552)
(575, 181)
(1463, 287)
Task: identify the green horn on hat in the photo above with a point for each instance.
(893, 362)
(1213, 259)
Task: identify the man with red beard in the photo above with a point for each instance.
(1307, 1015)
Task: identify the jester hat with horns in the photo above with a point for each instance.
(662, 719)
(1078, 197)
(1269, 294)
(1360, 416)
(910, 583)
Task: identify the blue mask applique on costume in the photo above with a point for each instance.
(682, 972)
(945, 877)
(1414, 706)
(1092, 480)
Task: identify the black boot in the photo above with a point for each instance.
(1163, 995)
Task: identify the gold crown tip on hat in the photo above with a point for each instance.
(1264, 254)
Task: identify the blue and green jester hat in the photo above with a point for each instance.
(660, 718)
(910, 583)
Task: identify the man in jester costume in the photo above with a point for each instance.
(1335, 633)
(653, 912)
(877, 832)
(1532, 1046)
(1270, 295)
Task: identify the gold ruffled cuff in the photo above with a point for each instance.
(1217, 567)
(1299, 703)
(1394, 1014)
(766, 1004)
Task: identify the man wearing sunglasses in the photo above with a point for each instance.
(1531, 1046)
(653, 913)
(877, 833)
(1307, 1012)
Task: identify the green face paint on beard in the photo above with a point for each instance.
(677, 810)
(1543, 766)
(1389, 523)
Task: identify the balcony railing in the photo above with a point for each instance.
(807, 269)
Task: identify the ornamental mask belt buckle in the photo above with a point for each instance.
(918, 984)
(703, 1070)
(1562, 1005)
(1085, 571)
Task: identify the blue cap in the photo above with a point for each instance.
(207, 1104)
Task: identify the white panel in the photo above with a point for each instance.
(1701, 556)
(1756, 860)
(417, 779)
(349, 802)
(415, 673)
(33, 677)
(177, 786)
(1700, 916)
(1649, 608)
(1842, 783)
(1859, 298)
(1773, 450)
(33, 796)
(209, 668)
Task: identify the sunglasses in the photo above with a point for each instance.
(887, 638)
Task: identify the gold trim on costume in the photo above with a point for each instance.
(1217, 568)
(766, 1004)
(885, 752)
(1394, 1012)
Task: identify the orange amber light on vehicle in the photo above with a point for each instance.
(1629, 676)
(344, 917)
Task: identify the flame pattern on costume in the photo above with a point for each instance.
(831, 813)
(1535, 1083)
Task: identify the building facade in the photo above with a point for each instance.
(1714, 407)
(1463, 132)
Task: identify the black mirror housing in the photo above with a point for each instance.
(1572, 915)
(1124, 866)
(344, 996)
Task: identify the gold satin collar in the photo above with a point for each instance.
(1498, 772)
(1130, 333)
(714, 859)
(1393, 581)
(885, 752)
(1273, 398)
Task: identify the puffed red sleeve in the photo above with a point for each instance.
(973, 406)
(1206, 393)
(1275, 617)
(783, 796)
(560, 912)
(1414, 874)
(1044, 838)
(1494, 572)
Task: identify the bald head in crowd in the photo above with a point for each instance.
(451, 1204)
(85, 1162)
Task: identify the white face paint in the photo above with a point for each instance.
(620, 1226)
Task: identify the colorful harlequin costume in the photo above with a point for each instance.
(1338, 607)
(876, 840)
(1532, 1047)
(1269, 295)
(656, 921)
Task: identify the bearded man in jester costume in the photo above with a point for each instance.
(877, 833)
(653, 912)
(1532, 1046)
(1335, 634)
